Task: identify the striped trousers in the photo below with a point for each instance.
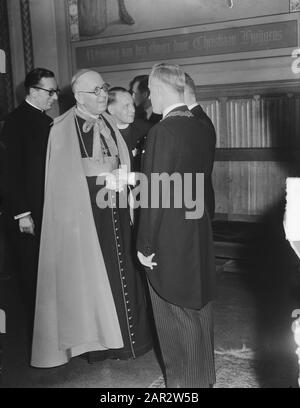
(186, 342)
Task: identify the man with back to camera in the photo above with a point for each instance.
(139, 89)
(176, 247)
(25, 136)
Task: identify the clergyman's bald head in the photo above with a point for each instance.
(90, 92)
(83, 78)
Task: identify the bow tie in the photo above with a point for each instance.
(98, 124)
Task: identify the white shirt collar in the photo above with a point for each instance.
(171, 107)
(31, 104)
(193, 106)
(125, 126)
(149, 112)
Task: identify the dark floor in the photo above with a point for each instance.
(268, 360)
(254, 346)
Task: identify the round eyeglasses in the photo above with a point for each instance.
(51, 92)
(98, 89)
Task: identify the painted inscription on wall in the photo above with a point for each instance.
(225, 41)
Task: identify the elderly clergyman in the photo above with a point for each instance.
(89, 296)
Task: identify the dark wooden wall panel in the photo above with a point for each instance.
(258, 144)
(246, 188)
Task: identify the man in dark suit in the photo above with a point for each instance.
(139, 89)
(174, 245)
(196, 109)
(25, 135)
(120, 105)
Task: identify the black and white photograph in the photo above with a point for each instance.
(149, 197)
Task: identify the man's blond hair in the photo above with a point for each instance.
(171, 75)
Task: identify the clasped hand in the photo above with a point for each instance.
(26, 225)
(146, 260)
(117, 180)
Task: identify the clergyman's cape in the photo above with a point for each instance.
(75, 310)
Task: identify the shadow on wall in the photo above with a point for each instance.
(20, 93)
(66, 99)
(273, 269)
(274, 273)
(273, 283)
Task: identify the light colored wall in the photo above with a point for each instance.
(207, 15)
(153, 15)
(49, 38)
(50, 43)
(53, 49)
(16, 44)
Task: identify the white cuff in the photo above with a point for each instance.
(16, 217)
(131, 178)
(2, 322)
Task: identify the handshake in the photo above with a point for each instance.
(118, 179)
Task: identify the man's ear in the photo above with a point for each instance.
(110, 109)
(78, 97)
(146, 94)
(32, 92)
